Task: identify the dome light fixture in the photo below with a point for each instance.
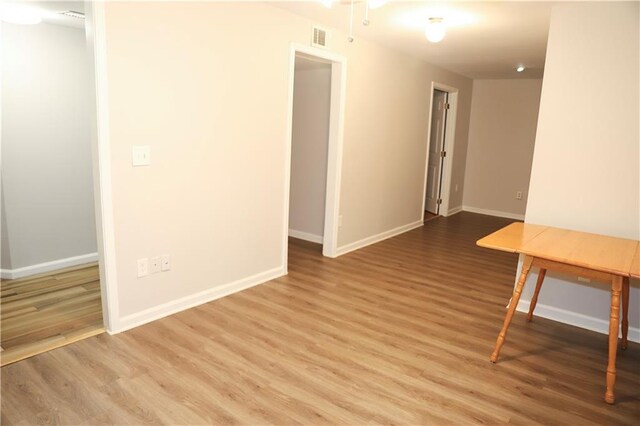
(436, 30)
(520, 68)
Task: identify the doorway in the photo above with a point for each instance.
(51, 287)
(437, 151)
(314, 147)
(309, 148)
(440, 144)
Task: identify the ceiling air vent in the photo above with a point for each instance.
(72, 14)
(319, 37)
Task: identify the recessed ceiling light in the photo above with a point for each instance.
(20, 14)
(520, 68)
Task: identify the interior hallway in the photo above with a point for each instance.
(45, 311)
(398, 332)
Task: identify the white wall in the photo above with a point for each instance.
(309, 148)
(585, 173)
(502, 132)
(206, 86)
(47, 177)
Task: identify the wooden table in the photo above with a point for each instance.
(605, 259)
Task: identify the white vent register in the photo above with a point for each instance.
(319, 37)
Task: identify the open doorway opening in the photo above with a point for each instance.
(314, 148)
(50, 282)
(440, 145)
(309, 148)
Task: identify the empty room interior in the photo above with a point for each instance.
(320, 212)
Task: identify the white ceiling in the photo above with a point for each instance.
(485, 39)
(50, 11)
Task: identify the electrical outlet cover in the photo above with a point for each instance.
(166, 263)
(154, 264)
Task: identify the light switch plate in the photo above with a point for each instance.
(143, 267)
(140, 155)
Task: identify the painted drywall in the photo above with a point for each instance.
(386, 140)
(5, 254)
(47, 179)
(502, 132)
(206, 86)
(585, 173)
(309, 149)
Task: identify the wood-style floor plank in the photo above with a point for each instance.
(46, 311)
(396, 333)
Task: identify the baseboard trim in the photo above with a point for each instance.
(493, 213)
(12, 274)
(377, 238)
(453, 211)
(152, 314)
(575, 319)
(305, 236)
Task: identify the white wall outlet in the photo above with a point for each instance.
(519, 195)
(154, 264)
(166, 263)
(140, 155)
(339, 221)
(584, 280)
(143, 267)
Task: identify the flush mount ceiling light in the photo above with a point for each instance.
(20, 14)
(326, 3)
(520, 68)
(436, 30)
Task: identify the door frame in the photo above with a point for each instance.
(449, 144)
(101, 150)
(334, 154)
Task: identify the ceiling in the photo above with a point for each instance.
(485, 39)
(50, 11)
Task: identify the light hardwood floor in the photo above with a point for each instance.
(399, 332)
(47, 311)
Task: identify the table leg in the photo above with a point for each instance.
(625, 311)
(526, 267)
(614, 323)
(534, 299)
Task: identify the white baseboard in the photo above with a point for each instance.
(305, 236)
(453, 211)
(40, 268)
(507, 215)
(575, 319)
(139, 318)
(377, 238)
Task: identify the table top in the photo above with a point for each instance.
(635, 266)
(598, 252)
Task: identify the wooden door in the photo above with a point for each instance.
(436, 151)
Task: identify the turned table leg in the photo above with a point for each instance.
(534, 300)
(526, 267)
(625, 311)
(614, 323)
